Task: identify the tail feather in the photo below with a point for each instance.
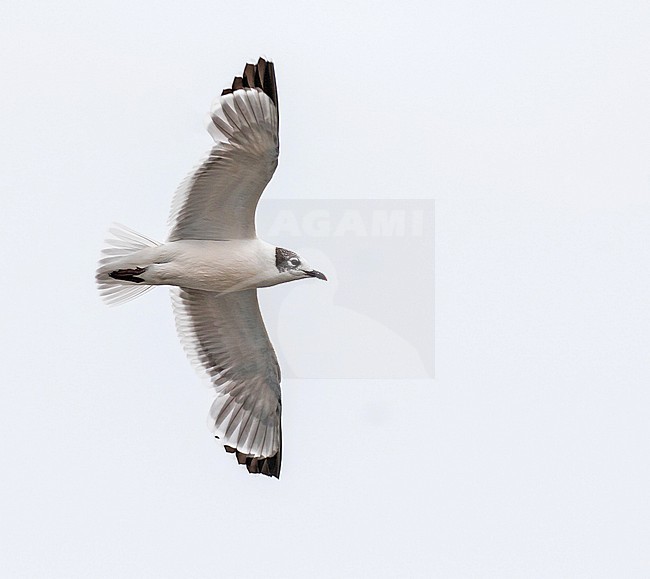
(121, 243)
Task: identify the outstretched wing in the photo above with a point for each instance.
(218, 200)
(224, 335)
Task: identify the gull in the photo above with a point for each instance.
(214, 263)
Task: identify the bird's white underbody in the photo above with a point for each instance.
(216, 266)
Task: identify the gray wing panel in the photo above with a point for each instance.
(218, 200)
(224, 335)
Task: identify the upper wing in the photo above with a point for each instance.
(218, 200)
(225, 336)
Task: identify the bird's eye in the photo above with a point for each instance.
(294, 262)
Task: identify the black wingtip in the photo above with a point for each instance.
(249, 75)
(260, 75)
(269, 466)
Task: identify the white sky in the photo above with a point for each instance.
(527, 456)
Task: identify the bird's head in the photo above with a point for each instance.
(291, 263)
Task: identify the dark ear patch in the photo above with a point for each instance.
(282, 256)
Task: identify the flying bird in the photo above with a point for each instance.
(214, 263)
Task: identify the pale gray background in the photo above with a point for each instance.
(376, 311)
(527, 456)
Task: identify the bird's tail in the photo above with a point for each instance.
(117, 280)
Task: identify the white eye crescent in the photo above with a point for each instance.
(294, 262)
